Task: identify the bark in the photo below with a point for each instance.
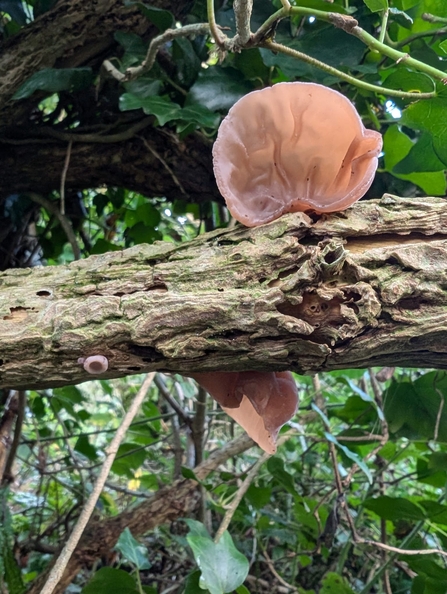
(168, 504)
(355, 289)
(74, 33)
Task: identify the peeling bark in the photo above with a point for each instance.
(354, 289)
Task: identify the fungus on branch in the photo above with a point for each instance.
(261, 402)
(95, 364)
(293, 147)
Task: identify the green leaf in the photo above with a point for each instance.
(54, 80)
(163, 109)
(276, 468)
(200, 115)
(102, 246)
(351, 455)
(396, 146)
(407, 80)
(162, 19)
(141, 233)
(130, 457)
(328, 44)
(84, 447)
(132, 43)
(333, 583)
(443, 46)
(412, 409)
(402, 14)
(258, 496)
(223, 567)
(187, 62)
(108, 580)
(394, 508)
(421, 157)
(192, 584)
(218, 88)
(242, 590)
(132, 550)
(430, 116)
(197, 528)
(376, 5)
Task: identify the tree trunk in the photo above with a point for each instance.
(350, 290)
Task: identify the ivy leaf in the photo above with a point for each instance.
(109, 579)
(132, 550)
(55, 80)
(163, 109)
(223, 567)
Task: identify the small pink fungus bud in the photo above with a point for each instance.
(94, 364)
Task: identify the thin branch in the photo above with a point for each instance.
(51, 208)
(58, 569)
(276, 574)
(157, 42)
(7, 472)
(64, 176)
(165, 165)
(239, 494)
(213, 25)
(439, 415)
(385, 547)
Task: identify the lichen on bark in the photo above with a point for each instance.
(354, 289)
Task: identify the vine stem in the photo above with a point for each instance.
(350, 25)
(277, 47)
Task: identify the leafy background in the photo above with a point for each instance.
(381, 434)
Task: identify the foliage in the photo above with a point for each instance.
(365, 462)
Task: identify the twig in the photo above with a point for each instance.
(64, 176)
(438, 416)
(276, 574)
(213, 25)
(238, 496)
(385, 432)
(172, 401)
(51, 208)
(7, 472)
(59, 567)
(157, 42)
(385, 547)
(165, 165)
